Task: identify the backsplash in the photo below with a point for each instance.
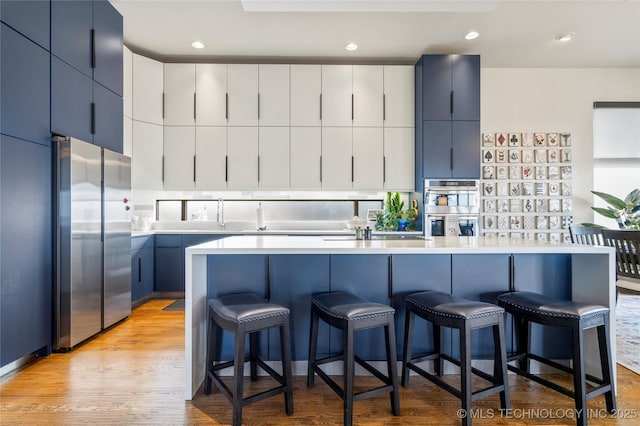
(526, 185)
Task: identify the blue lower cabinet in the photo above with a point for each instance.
(366, 275)
(71, 99)
(142, 274)
(229, 274)
(25, 88)
(411, 273)
(293, 280)
(549, 274)
(169, 271)
(480, 277)
(25, 244)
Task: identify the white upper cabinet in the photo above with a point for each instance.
(242, 86)
(211, 158)
(367, 95)
(127, 82)
(337, 95)
(179, 94)
(146, 158)
(273, 89)
(398, 157)
(242, 151)
(148, 83)
(306, 150)
(127, 136)
(367, 158)
(337, 158)
(211, 94)
(179, 157)
(273, 158)
(399, 96)
(306, 88)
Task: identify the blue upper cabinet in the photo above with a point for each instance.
(71, 33)
(29, 18)
(24, 104)
(436, 87)
(71, 100)
(465, 85)
(107, 23)
(108, 118)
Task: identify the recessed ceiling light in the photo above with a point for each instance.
(565, 37)
(197, 44)
(471, 35)
(351, 46)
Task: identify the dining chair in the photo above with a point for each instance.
(587, 235)
(627, 246)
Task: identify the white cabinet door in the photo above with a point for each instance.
(211, 94)
(179, 157)
(273, 89)
(127, 82)
(242, 86)
(148, 83)
(306, 87)
(367, 95)
(127, 136)
(337, 94)
(179, 94)
(306, 149)
(242, 151)
(211, 158)
(399, 157)
(337, 158)
(146, 159)
(399, 95)
(273, 158)
(367, 158)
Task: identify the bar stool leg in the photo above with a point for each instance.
(408, 341)
(500, 371)
(524, 342)
(285, 350)
(253, 354)
(438, 346)
(313, 347)
(238, 374)
(390, 340)
(348, 342)
(212, 335)
(605, 363)
(465, 372)
(579, 380)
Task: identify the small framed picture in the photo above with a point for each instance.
(565, 139)
(514, 139)
(565, 155)
(502, 189)
(516, 222)
(554, 205)
(501, 155)
(567, 205)
(503, 206)
(489, 206)
(565, 172)
(529, 236)
(566, 188)
(527, 189)
(541, 188)
(514, 155)
(529, 222)
(541, 236)
(527, 156)
(552, 139)
(542, 222)
(554, 222)
(515, 206)
(514, 172)
(527, 205)
(541, 205)
(487, 139)
(541, 172)
(488, 156)
(540, 139)
(554, 188)
(553, 172)
(555, 237)
(527, 139)
(488, 172)
(501, 139)
(553, 155)
(489, 189)
(501, 172)
(503, 222)
(541, 155)
(489, 222)
(514, 189)
(527, 171)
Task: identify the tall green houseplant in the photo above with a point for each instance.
(626, 212)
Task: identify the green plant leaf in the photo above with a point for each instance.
(611, 200)
(633, 198)
(612, 214)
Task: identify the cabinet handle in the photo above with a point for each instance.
(93, 118)
(451, 102)
(163, 168)
(451, 158)
(139, 269)
(512, 273)
(352, 107)
(352, 168)
(226, 168)
(384, 169)
(258, 106)
(320, 106)
(194, 168)
(226, 106)
(162, 104)
(194, 106)
(258, 168)
(93, 48)
(321, 168)
(384, 107)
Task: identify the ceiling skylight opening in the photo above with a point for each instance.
(197, 44)
(351, 46)
(471, 35)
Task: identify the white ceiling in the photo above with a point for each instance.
(513, 33)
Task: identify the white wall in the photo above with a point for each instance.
(554, 100)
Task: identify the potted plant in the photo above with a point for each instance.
(626, 212)
(395, 217)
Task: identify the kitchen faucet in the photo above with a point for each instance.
(220, 213)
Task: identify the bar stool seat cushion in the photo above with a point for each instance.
(244, 308)
(538, 304)
(446, 305)
(347, 306)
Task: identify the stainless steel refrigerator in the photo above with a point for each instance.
(92, 241)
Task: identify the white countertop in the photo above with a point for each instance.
(275, 244)
(294, 232)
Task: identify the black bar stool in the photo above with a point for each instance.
(445, 310)
(527, 307)
(351, 313)
(242, 314)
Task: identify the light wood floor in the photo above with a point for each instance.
(133, 374)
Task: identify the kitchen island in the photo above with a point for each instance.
(289, 269)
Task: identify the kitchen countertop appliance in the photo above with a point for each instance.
(451, 207)
(92, 285)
